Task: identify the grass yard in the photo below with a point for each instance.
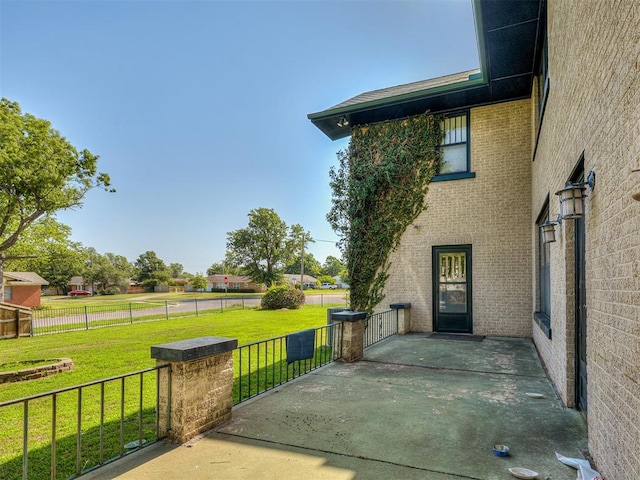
(104, 353)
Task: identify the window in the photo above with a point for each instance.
(542, 80)
(455, 148)
(543, 314)
(454, 145)
(8, 293)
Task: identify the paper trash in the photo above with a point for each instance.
(585, 472)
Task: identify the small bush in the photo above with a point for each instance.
(110, 291)
(282, 297)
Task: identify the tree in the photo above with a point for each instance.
(151, 270)
(198, 282)
(311, 265)
(41, 172)
(226, 266)
(109, 271)
(262, 248)
(332, 266)
(327, 279)
(176, 270)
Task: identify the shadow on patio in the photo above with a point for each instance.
(416, 407)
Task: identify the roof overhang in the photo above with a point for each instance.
(509, 40)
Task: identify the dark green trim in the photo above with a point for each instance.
(478, 80)
(445, 177)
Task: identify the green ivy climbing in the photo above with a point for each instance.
(379, 189)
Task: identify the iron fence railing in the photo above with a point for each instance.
(59, 320)
(262, 366)
(70, 431)
(380, 326)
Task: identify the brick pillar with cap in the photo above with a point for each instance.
(196, 394)
(352, 334)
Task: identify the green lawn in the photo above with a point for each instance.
(103, 353)
(106, 352)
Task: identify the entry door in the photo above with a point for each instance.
(452, 289)
(581, 318)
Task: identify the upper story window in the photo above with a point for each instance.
(8, 293)
(455, 162)
(455, 156)
(542, 83)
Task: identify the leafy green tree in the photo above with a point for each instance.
(176, 270)
(311, 265)
(151, 270)
(327, 279)
(262, 248)
(332, 266)
(41, 172)
(108, 272)
(198, 282)
(224, 267)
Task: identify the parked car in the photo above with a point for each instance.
(80, 293)
(328, 286)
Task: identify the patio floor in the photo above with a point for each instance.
(414, 408)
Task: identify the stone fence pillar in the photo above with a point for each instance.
(352, 334)
(403, 310)
(197, 395)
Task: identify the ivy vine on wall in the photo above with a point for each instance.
(378, 190)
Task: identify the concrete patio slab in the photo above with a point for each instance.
(414, 408)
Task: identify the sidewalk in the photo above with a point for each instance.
(415, 408)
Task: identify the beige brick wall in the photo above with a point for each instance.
(594, 106)
(492, 213)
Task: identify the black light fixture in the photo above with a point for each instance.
(343, 122)
(572, 197)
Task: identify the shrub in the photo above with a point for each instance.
(282, 297)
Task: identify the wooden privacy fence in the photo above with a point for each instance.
(15, 321)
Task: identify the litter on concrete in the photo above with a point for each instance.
(585, 472)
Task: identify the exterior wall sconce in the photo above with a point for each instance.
(572, 197)
(549, 230)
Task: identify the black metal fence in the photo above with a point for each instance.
(264, 365)
(58, 320)
(380, 326)
(68, 432)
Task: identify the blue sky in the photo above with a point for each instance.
(198, 108)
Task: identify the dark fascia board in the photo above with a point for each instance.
(327, 120)
(476, 90)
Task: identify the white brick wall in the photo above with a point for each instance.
(479, 212)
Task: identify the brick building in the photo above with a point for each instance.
(557, 97)
(23, 288)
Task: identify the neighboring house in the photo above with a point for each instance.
(238, 283)
(309, 281)
(556, 98)
(75, 283)
(340, 283)
(23, 288)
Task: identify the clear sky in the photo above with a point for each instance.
(197, 109)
